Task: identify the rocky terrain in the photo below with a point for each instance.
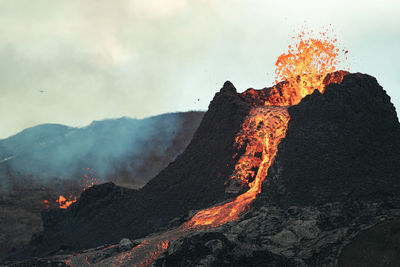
(331, 197)
(296, 236)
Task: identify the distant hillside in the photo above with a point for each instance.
(125, 150)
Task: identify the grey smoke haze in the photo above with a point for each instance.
(116, 149)
(75, 61)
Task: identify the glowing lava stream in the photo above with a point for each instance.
(262, 132)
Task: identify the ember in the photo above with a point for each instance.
(89, 179)
(64, 202)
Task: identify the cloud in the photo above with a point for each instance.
(101, 59)
(156, 8)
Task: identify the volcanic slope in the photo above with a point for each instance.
(336, 174)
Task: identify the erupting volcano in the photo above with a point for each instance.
(224, 170)
(305, 68)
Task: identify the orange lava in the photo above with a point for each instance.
(63, 202)
(261, 133)
(305, 66)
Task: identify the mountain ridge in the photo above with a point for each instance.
(102, 146)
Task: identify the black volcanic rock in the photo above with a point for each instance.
(215, 249)
(297, 236)
(336, 173)
(376, 246)
(340, 145)
(107, 213)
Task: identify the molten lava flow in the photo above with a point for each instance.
(261, 133)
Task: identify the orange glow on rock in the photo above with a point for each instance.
(63, 202)
(46, 204)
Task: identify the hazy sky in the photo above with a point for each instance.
(96, 59)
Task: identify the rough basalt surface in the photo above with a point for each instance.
(296, 236)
